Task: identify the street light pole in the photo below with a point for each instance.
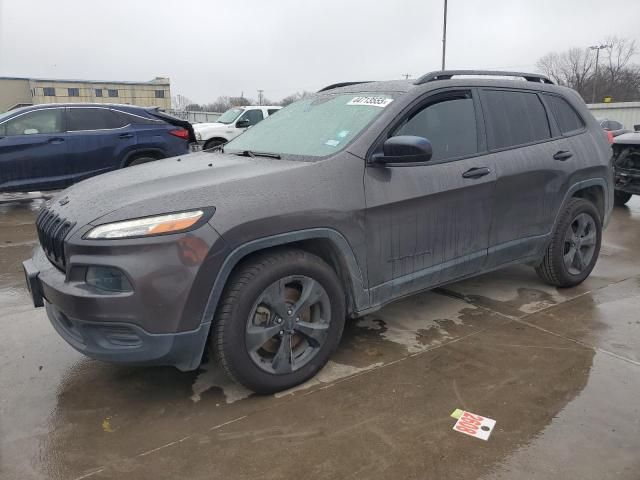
(597, 48)
(444, 35)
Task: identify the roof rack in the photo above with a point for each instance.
(447, 74)
(342, 84)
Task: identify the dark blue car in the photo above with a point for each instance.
(51, 146)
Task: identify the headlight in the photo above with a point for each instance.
(144, 227)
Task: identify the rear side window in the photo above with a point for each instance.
(566, 117)
(449, 124)
(91, 119)
(271, 111)
(514, 118)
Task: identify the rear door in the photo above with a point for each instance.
(33, 151)
(429, 224)
(99, 139)
(530, 182)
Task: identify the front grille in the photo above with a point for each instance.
(52, 230)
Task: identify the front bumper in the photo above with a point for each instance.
(627, 181)
(160, 322)
(129, 344)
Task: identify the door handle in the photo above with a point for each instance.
(126, 135)
(476, 172)
(56, 140)
(563, 155)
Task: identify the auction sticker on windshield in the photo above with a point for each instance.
(370, 101)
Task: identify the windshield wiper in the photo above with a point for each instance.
(251, 153)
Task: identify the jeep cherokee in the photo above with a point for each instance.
(341, 203)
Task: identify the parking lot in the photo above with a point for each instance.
(559, 371)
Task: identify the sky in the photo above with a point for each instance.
(210, 48)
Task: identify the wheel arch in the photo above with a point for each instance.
(328, 244)
(595, 190)
(222, 139)
(156, 153)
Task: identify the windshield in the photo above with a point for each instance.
(230, 115)
(315, 127)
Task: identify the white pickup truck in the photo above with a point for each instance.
(231, 124)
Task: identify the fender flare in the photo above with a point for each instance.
(601, 182)
(359, 293)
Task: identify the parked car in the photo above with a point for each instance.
(231, 124)
(341, 203)
(626, 165)
(612, 127)
(51, 146)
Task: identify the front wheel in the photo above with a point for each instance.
(574, 247)
(212, 144)
(280, 318)
(620, 198)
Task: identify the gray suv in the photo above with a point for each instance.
(341, 203)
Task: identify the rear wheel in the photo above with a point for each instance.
(213, 143)
(621, 198)
(574, 247)
(280, 318)
(140, 161)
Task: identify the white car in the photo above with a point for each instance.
(231, 124)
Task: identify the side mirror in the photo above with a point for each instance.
(244, 123)
(404, 149)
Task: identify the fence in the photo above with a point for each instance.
(195, 117)
(627, 113)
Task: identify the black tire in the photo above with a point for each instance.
(140, 161)
(213, 143)
(238, 310)
(621, 198)
(554, 268)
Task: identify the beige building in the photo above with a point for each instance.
(17, 92)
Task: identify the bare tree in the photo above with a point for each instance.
(617, 76)
(294, 97)
(572, 68)
(179, 102)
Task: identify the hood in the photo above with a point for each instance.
(206, 126)
(170, 185)
(631, 138)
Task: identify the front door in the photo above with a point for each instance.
(429, 224)
(33, 151)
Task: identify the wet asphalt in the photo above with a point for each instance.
(559, 371)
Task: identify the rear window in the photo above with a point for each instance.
(566, 117)
(514, 118)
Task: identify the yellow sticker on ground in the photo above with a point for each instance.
(457, 413)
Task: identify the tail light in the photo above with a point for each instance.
(610, 136)
(182, 133)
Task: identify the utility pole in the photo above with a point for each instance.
(406, 75)
(597, 48)
(260, 97)
(444, 36)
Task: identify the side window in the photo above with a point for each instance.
(566, 117)
(254, 116)
(271, 111)
(514, 118)
(38, 121)
(449, 124)
(91, 119)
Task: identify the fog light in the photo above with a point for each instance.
(108, 278)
